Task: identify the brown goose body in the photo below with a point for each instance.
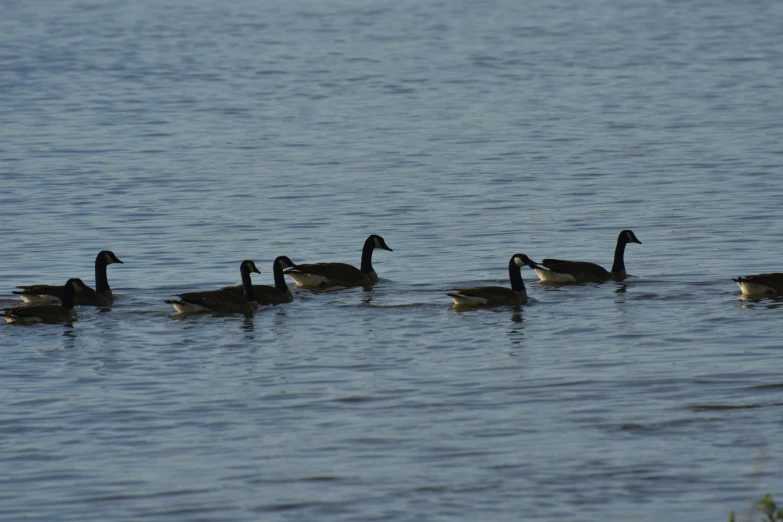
(101, 295)
(313, 275)
(496, 295)
(220, 301)
(581, 271)
(323, 275)
(559, 271)
(761, 284)
(48, 313)
(271, 295)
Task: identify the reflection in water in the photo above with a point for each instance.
(516, 333)
(751, 301)
(248, 326)
(70, 334)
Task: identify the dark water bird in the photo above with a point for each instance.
(558, 271)
(102, 294)
(496, 295)
(47, 312)
(321, 275)
(761, 284)
(271, 295)
(220, 301)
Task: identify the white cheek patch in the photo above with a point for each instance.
(519, 262)
(377, 243)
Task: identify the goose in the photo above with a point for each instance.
(220, 301)
(54, 294)
(271, 295)
(760, 284)
(563, 272)
(496, 295)
(320, 275)
(48, 313)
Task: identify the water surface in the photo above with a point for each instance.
(187, 136)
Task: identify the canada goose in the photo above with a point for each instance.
(271, 295)
(761, 284)
(220, 301)
(320, 275)
(54, 294)
(496, 295)
(48, 313)
(564, 272)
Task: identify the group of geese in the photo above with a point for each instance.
(55, 304)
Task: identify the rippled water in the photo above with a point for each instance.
(187, 136)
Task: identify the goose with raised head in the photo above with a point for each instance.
(48, 313)
(496, 295)
(558, 271)
(321, 275)
(271, 295)
(761, 284)
(220, 301)
(102, 294)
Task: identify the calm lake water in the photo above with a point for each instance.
(188, 135)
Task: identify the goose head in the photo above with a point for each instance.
(109, 257)
(283, 262)
(377, 242)
(248, 266)
(77, 285)
(627, 236)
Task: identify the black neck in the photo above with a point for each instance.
(68, 293)
(515, 274)
(369, 246)
(279, 278)
(247, 284)
(618, 267)
(101, 281)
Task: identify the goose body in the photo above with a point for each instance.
(271, 295)
(48, 313)
(496, 295)
(558, 271)
(220, 301)
(321, 275)
(51, 294)
(761, 284)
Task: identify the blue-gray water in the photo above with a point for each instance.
(188, 135)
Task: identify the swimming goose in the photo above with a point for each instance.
(48, 313)
(271, 295)
(54, 294)
(320, 275)
(496, 295)
(563, 272)
(220, 301)
(761, 284)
